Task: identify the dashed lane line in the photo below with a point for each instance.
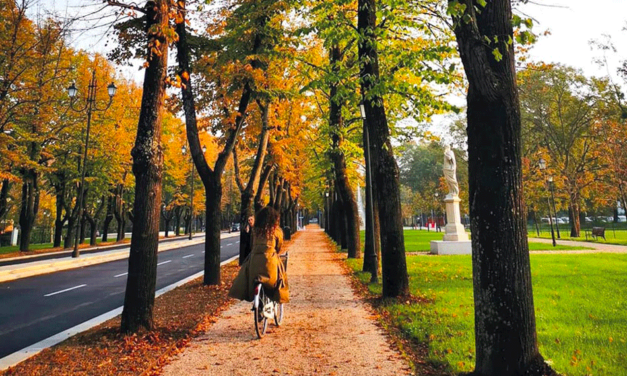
(66, 290)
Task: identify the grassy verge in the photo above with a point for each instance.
(420, 241)
(580, 310)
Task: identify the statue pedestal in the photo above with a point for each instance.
(455, 237)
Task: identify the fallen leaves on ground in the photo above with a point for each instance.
(179, 315)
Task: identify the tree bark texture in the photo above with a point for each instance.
(4, 195)
(505, 330)
(108, 219)
(263, 180)
(575, 223)
(60, 219)
(372, 245)
(147, 168)
(386, 183)
(29, 206)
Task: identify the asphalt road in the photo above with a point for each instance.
(35, 308)
(62, 254)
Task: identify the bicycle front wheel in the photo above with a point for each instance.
(278, 314)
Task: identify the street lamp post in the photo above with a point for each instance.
(542, 165)
(436, 222)
(327, 218)
(90, 106)
(551, 188)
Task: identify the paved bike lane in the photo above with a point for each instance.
(327, 329)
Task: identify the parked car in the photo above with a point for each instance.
(235, 227)
(565, 219)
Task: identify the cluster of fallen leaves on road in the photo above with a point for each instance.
(416, 352)
(179, 315)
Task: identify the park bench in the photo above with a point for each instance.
(596, 232)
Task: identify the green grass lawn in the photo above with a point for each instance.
(15, 248)
(580, 301)
(35, 247)
(420, 241)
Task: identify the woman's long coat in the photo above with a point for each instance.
(263, 265)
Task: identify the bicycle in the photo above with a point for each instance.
(265, 308)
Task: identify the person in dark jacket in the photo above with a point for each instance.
(246, 237)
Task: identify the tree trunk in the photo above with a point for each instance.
(69, 236)
(211, 178)
(147, 168)
(386, 174)
(212, 235)
(29, 207)
(83, 230)
(108, 219)
(535, 220)
(59, 217)
(121, 225)
(575, 224)
(4, 195)
(505, 330)
(262, 183)
(372, 253)
(177, 221)
(350, 213)
(249, 192)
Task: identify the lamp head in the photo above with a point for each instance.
(362, 110)
(72, 90)
(112, 89)
(542, 164)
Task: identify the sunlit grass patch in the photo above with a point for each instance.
(580, 301)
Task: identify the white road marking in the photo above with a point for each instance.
(27, 352)
(165, 262)
(237, 242)
(188, 256)
(228, 244)
(119, 275)
(62, 291)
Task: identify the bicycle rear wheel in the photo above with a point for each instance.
(261, 321)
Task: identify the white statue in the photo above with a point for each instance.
(449, 172)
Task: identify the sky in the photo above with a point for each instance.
(573, 23)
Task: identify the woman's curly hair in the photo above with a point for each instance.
(266, 222)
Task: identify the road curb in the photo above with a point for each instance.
(21, 355)
(56, 265)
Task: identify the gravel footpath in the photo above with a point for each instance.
(598, 247)
(327, 329)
